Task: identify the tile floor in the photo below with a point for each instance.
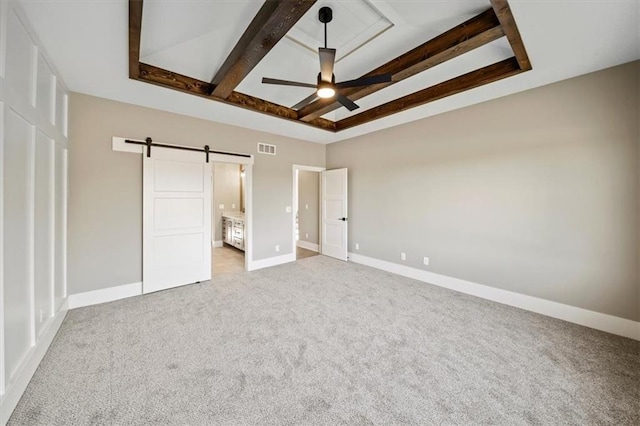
(229, 260)
(302, 253)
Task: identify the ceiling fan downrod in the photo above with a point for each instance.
(325, 15)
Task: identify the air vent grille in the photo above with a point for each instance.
(265, 148)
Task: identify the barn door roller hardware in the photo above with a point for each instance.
(148, 142)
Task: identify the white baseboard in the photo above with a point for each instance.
(309, 246)
(592, 319)
(271, 261)
(104, 295)
(216, 243)
(31, 361)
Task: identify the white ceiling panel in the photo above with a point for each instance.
(193, 38)
(354, 24)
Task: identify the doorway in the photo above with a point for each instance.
(306, 214)
(229, 236)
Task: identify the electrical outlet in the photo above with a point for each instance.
(426, 261)
(277, 248)
(306, 206)
(306, 235)
(357, 246)
(233, 206)
(288, 209)
(41, 314)
(403, 256)
(221, 206)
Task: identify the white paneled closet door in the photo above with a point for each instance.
(176, 219)
(334, 214)
(33, 203)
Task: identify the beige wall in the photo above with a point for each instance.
(226, 190)
(537, 193)
(105, 187)
(308, 205)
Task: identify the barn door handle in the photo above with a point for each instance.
(344, 219)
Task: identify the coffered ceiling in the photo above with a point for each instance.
(88, 41)
(362, 26)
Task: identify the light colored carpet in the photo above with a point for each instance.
(320, 341)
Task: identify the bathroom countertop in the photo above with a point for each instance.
(233, 215)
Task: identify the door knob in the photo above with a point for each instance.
(344, 219)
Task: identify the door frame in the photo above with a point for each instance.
(248, 203)
(119, 144)
(294, 203)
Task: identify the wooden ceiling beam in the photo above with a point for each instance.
(471, 34)
(171, 80)
(135, 28)
(473, 79)
(271, 23)
(508, 23)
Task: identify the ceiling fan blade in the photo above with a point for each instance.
(327, 60)
(286, 83)
(306, 101)
(346, 102)
(365, 81)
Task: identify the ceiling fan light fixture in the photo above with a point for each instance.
(326, 91)
(327, 87)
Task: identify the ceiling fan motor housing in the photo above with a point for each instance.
(333, 78)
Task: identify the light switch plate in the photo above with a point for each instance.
(288, 209)
(221, 206)
(233, 206)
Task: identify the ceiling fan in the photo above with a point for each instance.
(327, 87)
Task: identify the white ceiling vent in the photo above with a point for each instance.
(265, 148)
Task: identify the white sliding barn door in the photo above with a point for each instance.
(177, 219)
(334, 213)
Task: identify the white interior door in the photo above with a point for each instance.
(334, 213)
(177, 219)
